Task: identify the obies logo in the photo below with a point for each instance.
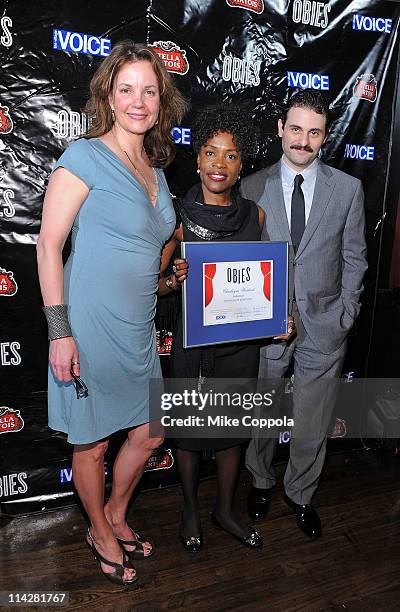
(10, 420)
(8, 286)
(6, 123)
(366, 87)
(311, 13)
(257, 6)
(241, 71)
(71, 124)
(6, 38)
(174, 57)
(161, 459)
(12, 484)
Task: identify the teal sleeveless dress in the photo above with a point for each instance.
(110, 286)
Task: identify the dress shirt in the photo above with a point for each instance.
(288, 175)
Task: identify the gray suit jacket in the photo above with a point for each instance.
(330, 263)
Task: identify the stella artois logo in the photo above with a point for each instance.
(161, 459)
(174, 57)
(8, 286)
(10, 420)
(257, 6)
(366, 87)
(6, 123)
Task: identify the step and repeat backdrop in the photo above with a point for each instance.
(249, 52)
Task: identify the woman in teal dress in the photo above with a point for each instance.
(110, 189)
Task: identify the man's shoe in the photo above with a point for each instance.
(307, 518)
(258, 503)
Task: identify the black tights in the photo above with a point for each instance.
(227, 461)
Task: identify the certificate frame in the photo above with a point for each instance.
(195, 332)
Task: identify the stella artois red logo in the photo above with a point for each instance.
(339, 430)
(257, 6)
(164, 342)
(161, 459)
(173, 56)
(6, 123)
(366, 87)
(10, 420)
(8, 286)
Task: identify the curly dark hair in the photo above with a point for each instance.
(306, 98)
(211, 120)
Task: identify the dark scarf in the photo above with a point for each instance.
(208, 221)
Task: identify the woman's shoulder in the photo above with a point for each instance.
(82, 146)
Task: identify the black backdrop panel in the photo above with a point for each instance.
(250, 52)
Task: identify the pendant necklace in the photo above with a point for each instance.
(151, 192)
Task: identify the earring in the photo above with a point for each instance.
(198, 170)
(238, 177)
(113, 115)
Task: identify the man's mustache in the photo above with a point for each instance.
(300, 148)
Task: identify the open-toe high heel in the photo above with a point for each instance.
(138, 552)
(116, 577)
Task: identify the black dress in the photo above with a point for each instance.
(202, 222)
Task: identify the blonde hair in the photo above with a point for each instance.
(158, 141)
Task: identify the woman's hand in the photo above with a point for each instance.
(180, 270)
(63, 355)
(291, 332)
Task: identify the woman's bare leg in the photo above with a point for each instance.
(128, 469)
(88, 473)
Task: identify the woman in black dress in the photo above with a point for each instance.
(215, 210)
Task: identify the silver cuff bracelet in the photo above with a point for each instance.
(57, 321)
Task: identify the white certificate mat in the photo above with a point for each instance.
(235, 292)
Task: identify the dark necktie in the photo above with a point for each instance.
(297, 215)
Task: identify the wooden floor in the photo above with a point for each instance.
(354, 566)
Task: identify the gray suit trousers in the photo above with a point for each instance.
(314, 395)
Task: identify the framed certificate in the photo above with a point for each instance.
(234, 291)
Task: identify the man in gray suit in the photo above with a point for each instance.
(320, 211)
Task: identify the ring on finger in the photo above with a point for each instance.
(174, 269)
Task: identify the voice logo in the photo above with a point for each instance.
(77, 42)
(241, 71)
(182, 135)
(372, 24)
(6, 123)
(355, 151)
(8, 285)
(311, 13)
(67, 476)
(308, 80)
(71, 124)
(12, 484)
(6, 37)
(11, 420)
(366, 87)
(9, 355)
(174, 57)
(256, 6)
